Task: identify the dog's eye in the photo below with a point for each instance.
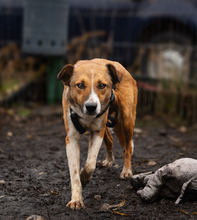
(101, 86)
(80, 86)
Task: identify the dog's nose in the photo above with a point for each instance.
(91, 107)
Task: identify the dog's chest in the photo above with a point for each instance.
(92, 124)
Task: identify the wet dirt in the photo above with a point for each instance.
(34, 176)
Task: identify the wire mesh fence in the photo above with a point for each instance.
(154, 39)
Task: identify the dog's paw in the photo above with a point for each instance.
(126, 173)
(107, 163)
(75, 205)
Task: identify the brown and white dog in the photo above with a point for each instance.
(90, 87)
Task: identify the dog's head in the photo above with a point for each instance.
(89, 85)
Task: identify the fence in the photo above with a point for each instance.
(154, 39)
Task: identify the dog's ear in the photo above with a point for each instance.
(65, 74)
(113, 73)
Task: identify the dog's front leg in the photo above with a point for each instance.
(95, 142)
(73, 155)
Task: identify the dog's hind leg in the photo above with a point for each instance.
(127, 168)
(124, 133)
(108, 139)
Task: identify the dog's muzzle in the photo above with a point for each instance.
(91, 108)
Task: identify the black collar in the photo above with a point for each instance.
(75, 117)
(112, 98)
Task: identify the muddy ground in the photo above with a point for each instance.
(34, 177)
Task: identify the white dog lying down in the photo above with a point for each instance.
(173, 180)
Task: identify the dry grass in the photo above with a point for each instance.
(16, 70)
(81, 47)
